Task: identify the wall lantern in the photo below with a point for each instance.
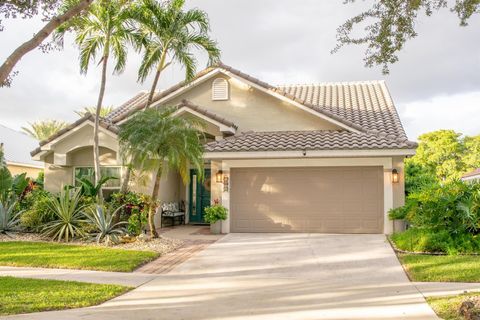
(219, 176)
(395, 177)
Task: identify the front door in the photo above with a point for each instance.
(199, 196)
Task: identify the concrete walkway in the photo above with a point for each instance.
(437, 289)
(121, 278)
(273, 276)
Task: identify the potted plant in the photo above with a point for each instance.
(398, 215)
(214, 215)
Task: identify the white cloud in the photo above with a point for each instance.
(459, 112)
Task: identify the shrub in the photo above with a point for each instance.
(105, 229)
(424, 240)
(137, 222)
(68, 214)
(215, 213)
(9, 218)
(453, 207)
(131, 202)
(37, 211)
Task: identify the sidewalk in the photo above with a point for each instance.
(121, 278)
(437, 289)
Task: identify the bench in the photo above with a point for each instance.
(173, 212)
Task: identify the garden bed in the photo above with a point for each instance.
(448, 307)
(20, 295)
(161, 245)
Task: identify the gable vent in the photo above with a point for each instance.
(220, 89)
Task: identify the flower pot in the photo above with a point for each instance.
(216, 228)
(399, 225)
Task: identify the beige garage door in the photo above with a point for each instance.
(314, 199)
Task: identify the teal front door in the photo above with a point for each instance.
(199, 196)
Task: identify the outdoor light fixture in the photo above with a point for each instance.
(395, 176)
(219, 176)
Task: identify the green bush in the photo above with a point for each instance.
(453, 207)
(37, 211)
(131, 202)
(137, 222)
(423, 240)
(215, 213)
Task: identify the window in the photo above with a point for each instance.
(89, 173)
(220, 89)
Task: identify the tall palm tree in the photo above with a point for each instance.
(170, 35)
(105, 30)
(104, 111)
(42, 130)
(155, 140)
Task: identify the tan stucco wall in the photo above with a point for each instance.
(252, 109)
(399, 188)
(30, 171)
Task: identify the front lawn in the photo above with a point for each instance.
(447, 307)
(442, 268)
(19, 295)
(53, 255)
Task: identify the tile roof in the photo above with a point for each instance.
(306, 140)
(365, 106)
(367, 103)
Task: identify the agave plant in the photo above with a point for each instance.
(69, 216)
(106, 230)
(9, 220)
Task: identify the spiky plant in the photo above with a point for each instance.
(69, 216)
(106, 230)
(9, 219)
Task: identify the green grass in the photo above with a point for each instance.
(442, 268)
(19, 295)
(52, 255)
(447, 307)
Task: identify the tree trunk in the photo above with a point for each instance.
(152, 90)
(38, 38)
(126, 180)
(96, 148)
(160, 68)
(151, 211)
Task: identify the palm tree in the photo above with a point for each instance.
(170, 35)
(155, 140)
(42, 130)
(105, 30)
(104, 111)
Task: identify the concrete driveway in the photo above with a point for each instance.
(273, 276)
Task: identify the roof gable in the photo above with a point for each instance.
(138, 102)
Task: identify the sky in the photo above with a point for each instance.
(435, 85)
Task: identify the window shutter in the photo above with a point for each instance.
(220, 89)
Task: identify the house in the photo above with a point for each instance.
(472, 176)
(293, 158)
(17, 147)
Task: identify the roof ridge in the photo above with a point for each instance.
(322, 83)
(195, 107)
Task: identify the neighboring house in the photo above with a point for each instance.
(295, 158)
(17, 147)
(474, 175)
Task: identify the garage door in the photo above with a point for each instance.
(313, 199)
